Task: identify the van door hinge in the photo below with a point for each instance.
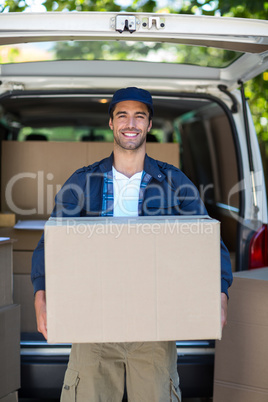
(224, 89)
(130, 23)
(153, 22)
(123, 23)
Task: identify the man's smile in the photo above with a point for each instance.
(130, 133)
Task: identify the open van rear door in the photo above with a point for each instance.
(248, 36)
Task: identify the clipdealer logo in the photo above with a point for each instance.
(44, 189)
(44, 194)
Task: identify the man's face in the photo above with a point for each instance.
(130, 124)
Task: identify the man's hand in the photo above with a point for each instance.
(224, 306)
(41, 312)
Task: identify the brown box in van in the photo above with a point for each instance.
(6, 273)
(9, 349)
(12, 397)
(241, 369)
(7, 219)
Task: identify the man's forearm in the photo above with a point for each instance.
(224, 306)
(41, 312)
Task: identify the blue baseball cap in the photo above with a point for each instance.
(132, 94)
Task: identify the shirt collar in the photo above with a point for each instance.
(150, 166)
(121, 176)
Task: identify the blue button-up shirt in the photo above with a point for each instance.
(167, 192)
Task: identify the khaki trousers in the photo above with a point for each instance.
(96, 373)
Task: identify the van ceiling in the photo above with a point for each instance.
(52, 109)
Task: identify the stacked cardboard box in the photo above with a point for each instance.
(13, 397)
(25, 241)
(7, 219)
(5, 272)
(10, 328)
(241, 369)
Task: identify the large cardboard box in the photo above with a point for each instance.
(140, 279)
(9, 349)
(6, 283)
(241, 360)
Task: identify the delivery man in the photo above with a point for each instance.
(128, 183)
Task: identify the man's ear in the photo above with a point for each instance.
(150, 125)
(111, 124)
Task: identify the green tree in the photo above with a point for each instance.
(235, 8)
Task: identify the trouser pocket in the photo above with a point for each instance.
(175, 392)
(69, 388)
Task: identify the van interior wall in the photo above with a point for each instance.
(228, 179)
(209, 160)
(31, 174)
(3, 134)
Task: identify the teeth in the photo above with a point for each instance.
(130, 134)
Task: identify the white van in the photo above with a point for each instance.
(54, 119)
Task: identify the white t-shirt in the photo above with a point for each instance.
(126, 193)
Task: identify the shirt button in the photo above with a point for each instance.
(159, 176)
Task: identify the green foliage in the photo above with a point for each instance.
(257, 93)
(13, 5)
(146, 6)
(12, 55)
(94, 50)
(125, 50)
(236, 8)
(81, 5)
(244, 8)
(233, 8)
(63, 5)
